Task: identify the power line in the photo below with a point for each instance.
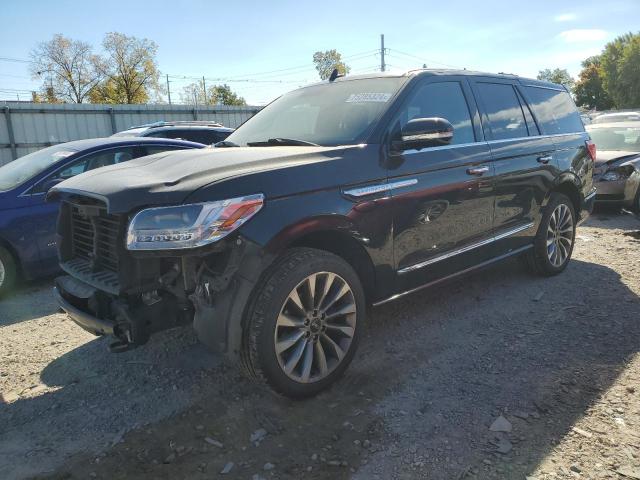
(422, 59)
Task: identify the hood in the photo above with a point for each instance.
(612, 156)
(170, 177)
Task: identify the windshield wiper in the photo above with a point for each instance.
(292, 142)
(225, 144)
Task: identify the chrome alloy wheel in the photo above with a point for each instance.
(3, 273)
(315, 327)
(559, 235)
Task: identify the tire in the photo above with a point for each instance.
(317, 335)
(541, 259)
(636, 203)
(8, 271)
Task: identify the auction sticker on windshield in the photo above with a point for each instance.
(368, 97)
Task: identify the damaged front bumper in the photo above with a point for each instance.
(210, 291)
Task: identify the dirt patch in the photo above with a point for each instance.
(556, 359)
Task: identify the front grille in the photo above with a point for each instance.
(96, 244)
(95, 237)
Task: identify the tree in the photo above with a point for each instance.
(621, 69)
(216, 95)
(66, 69)
(223, 95)
(327, 61)
(589, 89)
(557, 75)
(129, 67)
(112, 92)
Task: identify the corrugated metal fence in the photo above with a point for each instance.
(26, 127)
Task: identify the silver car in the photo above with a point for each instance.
(617, 172)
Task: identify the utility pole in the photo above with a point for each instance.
(382, 64)
(204, 90)
(168, 89)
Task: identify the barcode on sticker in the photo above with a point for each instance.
(368, 97)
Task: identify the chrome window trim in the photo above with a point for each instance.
(383, 187)
(488, 142)
(465, 249)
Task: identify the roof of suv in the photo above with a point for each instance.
(448, 72)
(139, 130)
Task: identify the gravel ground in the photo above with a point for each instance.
(499, 375)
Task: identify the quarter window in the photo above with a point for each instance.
(445, 100)
(555, 111)
(504, 111)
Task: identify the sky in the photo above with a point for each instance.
(264, 48)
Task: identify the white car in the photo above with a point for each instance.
(617, 117)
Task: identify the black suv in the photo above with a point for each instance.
(334, 197)
(203, 132)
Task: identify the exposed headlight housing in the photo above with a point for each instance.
(621, 173)
(190, 226)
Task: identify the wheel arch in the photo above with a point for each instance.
(346, 247)
(14, 253)
(568, 185)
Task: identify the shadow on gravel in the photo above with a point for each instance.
(27, 302)
(433, 372)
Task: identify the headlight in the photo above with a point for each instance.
(621, 173)
(189, 226)
(611, 176)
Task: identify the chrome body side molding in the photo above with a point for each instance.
(382, 187)
(466, 248)
(454, 275)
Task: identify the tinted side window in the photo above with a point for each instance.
(91, 162)
(554, 110)
(504, 110)
(445, 100)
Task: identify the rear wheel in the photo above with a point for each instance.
(303, 326)
(7, 271)
(553, 244)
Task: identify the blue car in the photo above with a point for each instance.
(28, 222)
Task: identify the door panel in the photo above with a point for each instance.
(447, 204)
(523, 162)
(445, 210)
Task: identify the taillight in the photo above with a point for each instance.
(591, 148)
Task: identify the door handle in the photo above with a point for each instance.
(545, 159)
(477, 171)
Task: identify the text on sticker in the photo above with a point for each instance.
(368, 97)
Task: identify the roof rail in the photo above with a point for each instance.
(199, 123)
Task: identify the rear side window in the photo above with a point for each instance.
(445, 100)
(504, 111)
(555, 111)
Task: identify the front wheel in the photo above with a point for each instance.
(553, 244)
(302, 328)
(7, 271)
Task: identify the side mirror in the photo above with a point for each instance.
(425, 132)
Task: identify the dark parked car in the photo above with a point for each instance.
(617, 172)
(27, 222)
(335, 196)
(206, 133)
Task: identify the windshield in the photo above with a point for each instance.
(338, 113)
(626, 139)
(24, 168)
